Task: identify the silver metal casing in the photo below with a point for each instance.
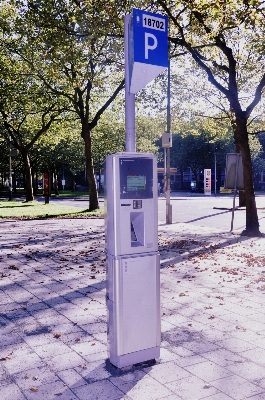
(133, 264)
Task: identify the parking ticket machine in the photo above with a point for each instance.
(133, 268)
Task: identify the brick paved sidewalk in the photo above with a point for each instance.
(53, 315)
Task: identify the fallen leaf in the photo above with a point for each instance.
(13, 267)
(83, 366)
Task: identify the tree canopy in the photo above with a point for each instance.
(225, 40)
(64, 59)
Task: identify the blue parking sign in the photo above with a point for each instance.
(148, 48)
(150, 38)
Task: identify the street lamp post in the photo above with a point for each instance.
(167, 154)
(214, 170)
(10, 170)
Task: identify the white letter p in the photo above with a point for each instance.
(147, 46)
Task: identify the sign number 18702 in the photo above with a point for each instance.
(154, 23)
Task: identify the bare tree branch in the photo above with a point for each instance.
(257, 97)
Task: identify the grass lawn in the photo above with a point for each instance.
(34, 209)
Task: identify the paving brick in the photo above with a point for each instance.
(131, 376)
(212, 338)
(96, 327)
(255, 355)
(249, 370)
(192, 388)
(257, 397)
(93, 371)
(167, 355)
(192, 360)
(103, 390)
(236, 345)
(90, 347)
(200, 346)
(237, 387)
(146, 388)
(32, 377)
(71, 378)
(225, 357)
(9, 339)
(50, 391)
(168, 372)
(10, 392)
(218, 396)
(208, 371)
(38, 336)
(50, 349)
(19, 363)
(65, 361)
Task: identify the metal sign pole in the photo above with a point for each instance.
(10, 170)
(129, 97)
(168, 205)
(235, 189)
(214, 171)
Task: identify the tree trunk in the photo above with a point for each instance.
(34, 185)
(28, 177)
(36, 180)
(92, 187)
(241, 140)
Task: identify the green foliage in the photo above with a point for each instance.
(225, 39)
(199, 143)
(61, 148)
(148, 131)
(107, 138)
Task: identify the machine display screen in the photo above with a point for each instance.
(136, 178)
(135, 182)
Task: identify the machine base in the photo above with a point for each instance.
(136, 357)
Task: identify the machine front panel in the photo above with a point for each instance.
(137, 304)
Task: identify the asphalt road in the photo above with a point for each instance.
(200, 210)
(208, 211)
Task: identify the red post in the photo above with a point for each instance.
(46, 186)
